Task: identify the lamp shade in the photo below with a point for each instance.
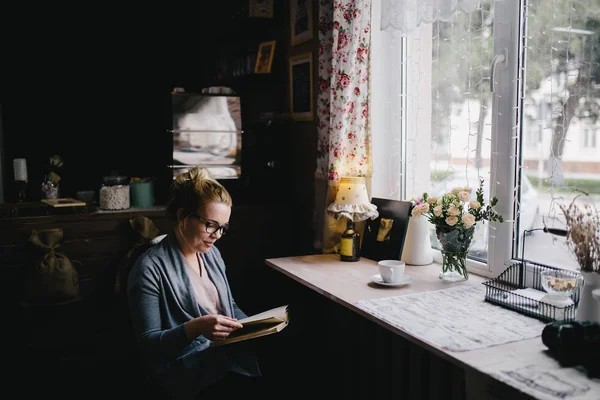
(352, 201)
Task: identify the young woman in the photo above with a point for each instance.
(180, 300)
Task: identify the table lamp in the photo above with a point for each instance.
(352, 202)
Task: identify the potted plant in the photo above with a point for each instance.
(51, 180)
(142, 191)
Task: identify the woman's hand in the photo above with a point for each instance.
(212, 327)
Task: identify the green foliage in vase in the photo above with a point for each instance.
(56, 162)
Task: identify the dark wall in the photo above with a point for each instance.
(98, 96)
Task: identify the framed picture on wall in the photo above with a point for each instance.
(264, 59)
(261, 8)
(301, 20)
(383, 237)
(301, 87)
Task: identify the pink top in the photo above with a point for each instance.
(204, 290)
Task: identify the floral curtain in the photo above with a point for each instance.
(344, 139)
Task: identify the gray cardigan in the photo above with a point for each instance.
(161, 300)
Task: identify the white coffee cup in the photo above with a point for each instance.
(391, 271)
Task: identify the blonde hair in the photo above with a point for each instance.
(193, 190)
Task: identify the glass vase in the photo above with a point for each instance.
(49, 190)
(455, 244)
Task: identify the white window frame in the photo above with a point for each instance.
(502, 240)
(506, 131)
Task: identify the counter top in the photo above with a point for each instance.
(517, 364)
(14, 211)
(36, 210)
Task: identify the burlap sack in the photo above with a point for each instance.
(52, 278)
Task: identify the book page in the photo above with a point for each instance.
(273, 315)
(262, 324)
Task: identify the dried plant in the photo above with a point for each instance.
(583, 233)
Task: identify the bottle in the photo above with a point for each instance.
(350, 244)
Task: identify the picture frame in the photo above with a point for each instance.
(301, 87)
(261, 8)
(301, 21)
(384, 236)
(264, 58)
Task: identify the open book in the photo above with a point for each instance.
(264, 323)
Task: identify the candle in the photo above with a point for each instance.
(20, 166)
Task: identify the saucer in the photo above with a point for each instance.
(404, 281)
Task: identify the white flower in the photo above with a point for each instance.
(464, 196)
(456, 209)
(420, 209)
(451, 221)
(453, 210)
(468, 220)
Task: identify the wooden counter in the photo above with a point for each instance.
(94, 240)
(345, 283)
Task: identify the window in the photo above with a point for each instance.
(589, 138)
(518, 123)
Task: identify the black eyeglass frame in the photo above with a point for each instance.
(207, 222)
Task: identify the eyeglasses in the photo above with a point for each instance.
(212, 226)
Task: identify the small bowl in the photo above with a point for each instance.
(561, 282)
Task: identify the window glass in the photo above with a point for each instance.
(562, 102)
(462, 53)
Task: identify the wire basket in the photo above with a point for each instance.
(526, 275)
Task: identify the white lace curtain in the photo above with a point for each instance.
(406, 15)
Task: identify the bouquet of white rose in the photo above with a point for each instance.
(456, 209)
(455, 215)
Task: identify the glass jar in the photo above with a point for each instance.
(49, 188)
(114, 193)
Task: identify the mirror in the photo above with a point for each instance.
(207, 132)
